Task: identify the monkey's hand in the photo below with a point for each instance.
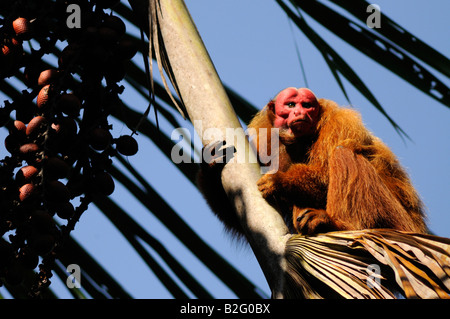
(309, 221)
(269, 185)
(216, 155)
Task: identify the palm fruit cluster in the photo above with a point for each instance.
(60, 145)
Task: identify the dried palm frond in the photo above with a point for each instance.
(148, 15)
(157, 47)
(373, 264)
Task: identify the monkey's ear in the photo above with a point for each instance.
(271, 106)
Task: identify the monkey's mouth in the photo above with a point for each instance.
(299, 127)
(297, 122)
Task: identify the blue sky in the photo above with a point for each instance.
(253, 48)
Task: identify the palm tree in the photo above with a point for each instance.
(92, 158)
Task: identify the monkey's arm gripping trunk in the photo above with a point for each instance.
(205, 100)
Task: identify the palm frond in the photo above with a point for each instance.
(368, 264)
(96, 279)
(401, 37)
(157, 46)
(161, 209)
(397, 58)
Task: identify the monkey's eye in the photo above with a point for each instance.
(307, 105)
(291, 104)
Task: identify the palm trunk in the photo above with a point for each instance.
(205, 100)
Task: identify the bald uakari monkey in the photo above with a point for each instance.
(333, 173)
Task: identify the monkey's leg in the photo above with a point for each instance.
(309, 221)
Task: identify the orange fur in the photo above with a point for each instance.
(345, 176)
(340, 178)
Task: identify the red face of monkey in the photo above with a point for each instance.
(296, 111)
